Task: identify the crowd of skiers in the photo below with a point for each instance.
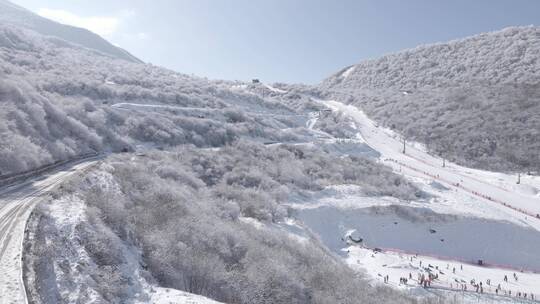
(431, 274)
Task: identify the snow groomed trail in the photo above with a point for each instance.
(417, 162)
(16, 205)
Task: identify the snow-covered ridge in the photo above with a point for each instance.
(502, 56)
(16, 15)
(465, 98)
(347, 72)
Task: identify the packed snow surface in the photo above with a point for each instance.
(452, 275)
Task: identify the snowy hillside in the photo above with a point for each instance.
(206, 221)
(16, 15)
(507, 56)
(60, 101)
(475, 100)
(198, 190)
(187, 223)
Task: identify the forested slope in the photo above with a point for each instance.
(210, 222)
(56, 102)
(475, 100)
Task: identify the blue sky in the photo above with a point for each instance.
(280, 40)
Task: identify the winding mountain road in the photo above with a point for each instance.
(16, 205)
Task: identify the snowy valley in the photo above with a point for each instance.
(124, 182)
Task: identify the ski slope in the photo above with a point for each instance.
(471, 192)
(417, 162)
(16, 204)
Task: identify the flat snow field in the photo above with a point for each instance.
(399, 265)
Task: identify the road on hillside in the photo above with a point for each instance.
(416, 162)
(194, 110)
(16, 205)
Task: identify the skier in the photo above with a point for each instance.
(505, 278)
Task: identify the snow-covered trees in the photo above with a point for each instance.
(186, 211)
(56, 103)
(476, 99)
(507, 56)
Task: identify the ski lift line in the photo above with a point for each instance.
(369, 138)
(457, 173)
(475, 193)
(460, 174)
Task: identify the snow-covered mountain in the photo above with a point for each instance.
(60, 100)
(254, 193)
(232, 169)
(16, 15)
(474, 100)
(507, 56)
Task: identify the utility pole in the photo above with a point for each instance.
(404, 145)
(519, 178)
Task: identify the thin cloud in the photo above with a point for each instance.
(101, 25)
